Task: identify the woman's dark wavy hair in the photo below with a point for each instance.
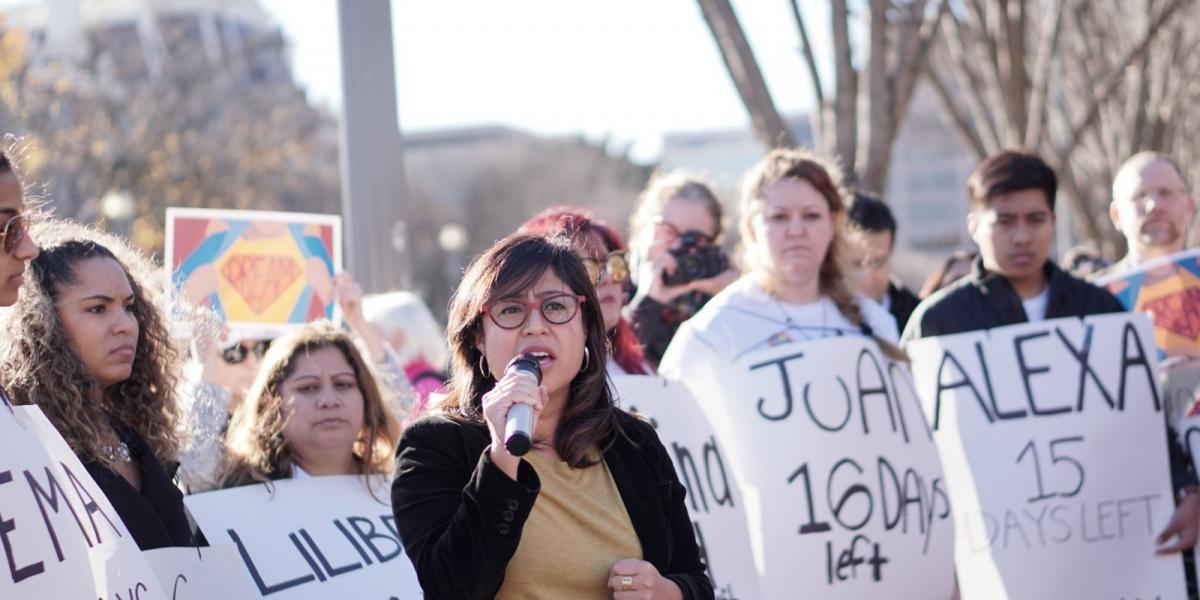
(38, 365)
(507, 269)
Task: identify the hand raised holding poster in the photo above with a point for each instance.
(311, 538)
(713, 499)
(1052, 440)
(837, 468)
(60, 535)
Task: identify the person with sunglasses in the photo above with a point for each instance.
(595, 508)
(603, 254)
(229, 367)
(19, 247)
(677, 262)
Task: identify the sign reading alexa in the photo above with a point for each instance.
(714, 501)
(837, 467)
(1052, 437)
(311, 538)
(60, 536)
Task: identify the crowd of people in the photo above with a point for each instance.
(595, 509)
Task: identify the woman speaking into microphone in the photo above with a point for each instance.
(594, 509)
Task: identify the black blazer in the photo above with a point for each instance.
(460, 517)
(154, 515)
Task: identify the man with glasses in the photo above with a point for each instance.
(1152, 206)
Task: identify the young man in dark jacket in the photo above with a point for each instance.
(1014, 281)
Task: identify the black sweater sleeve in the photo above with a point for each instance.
(458, 515)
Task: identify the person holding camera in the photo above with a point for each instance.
(678, 264)
(794, 288)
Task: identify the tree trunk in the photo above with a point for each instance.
(769, 127)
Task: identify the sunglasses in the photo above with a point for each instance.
(615, 266)
(238, 353)
(14, 233)
(556, 310)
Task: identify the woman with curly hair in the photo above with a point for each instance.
(315, 408)
(88, 344)
(603, 253)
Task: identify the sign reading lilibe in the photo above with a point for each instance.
(311, 538)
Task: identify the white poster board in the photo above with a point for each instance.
(199, 573)
(312, 538)
(60, 536)
(838, 470)
(1053, 441)
(714, 501)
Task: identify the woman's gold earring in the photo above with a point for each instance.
(483, 368)
(587, 358)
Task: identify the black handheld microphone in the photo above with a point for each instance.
(518, 426)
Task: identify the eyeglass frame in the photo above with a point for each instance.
(530, 306)
(602, 271)
(10, 244)
(1169, 194)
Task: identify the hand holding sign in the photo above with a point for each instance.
(1182, 528)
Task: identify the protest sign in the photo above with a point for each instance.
(199, 573)
(1168, 288)
(1052, 437)
(837, 468)
(262, 272)
(60, 536)
(311, 538)
(713, 499)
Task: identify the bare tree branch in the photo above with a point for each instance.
(846, 103)
(739, 59)
(1115, 77)
(809, 59)
(1047, 48)
(962, 122)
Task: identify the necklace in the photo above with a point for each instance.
(118, 453)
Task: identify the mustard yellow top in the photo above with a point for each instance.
(577, 530)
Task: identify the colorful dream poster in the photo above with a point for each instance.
(1168, 288)
(259, 271)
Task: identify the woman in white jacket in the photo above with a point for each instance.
(793, 287)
